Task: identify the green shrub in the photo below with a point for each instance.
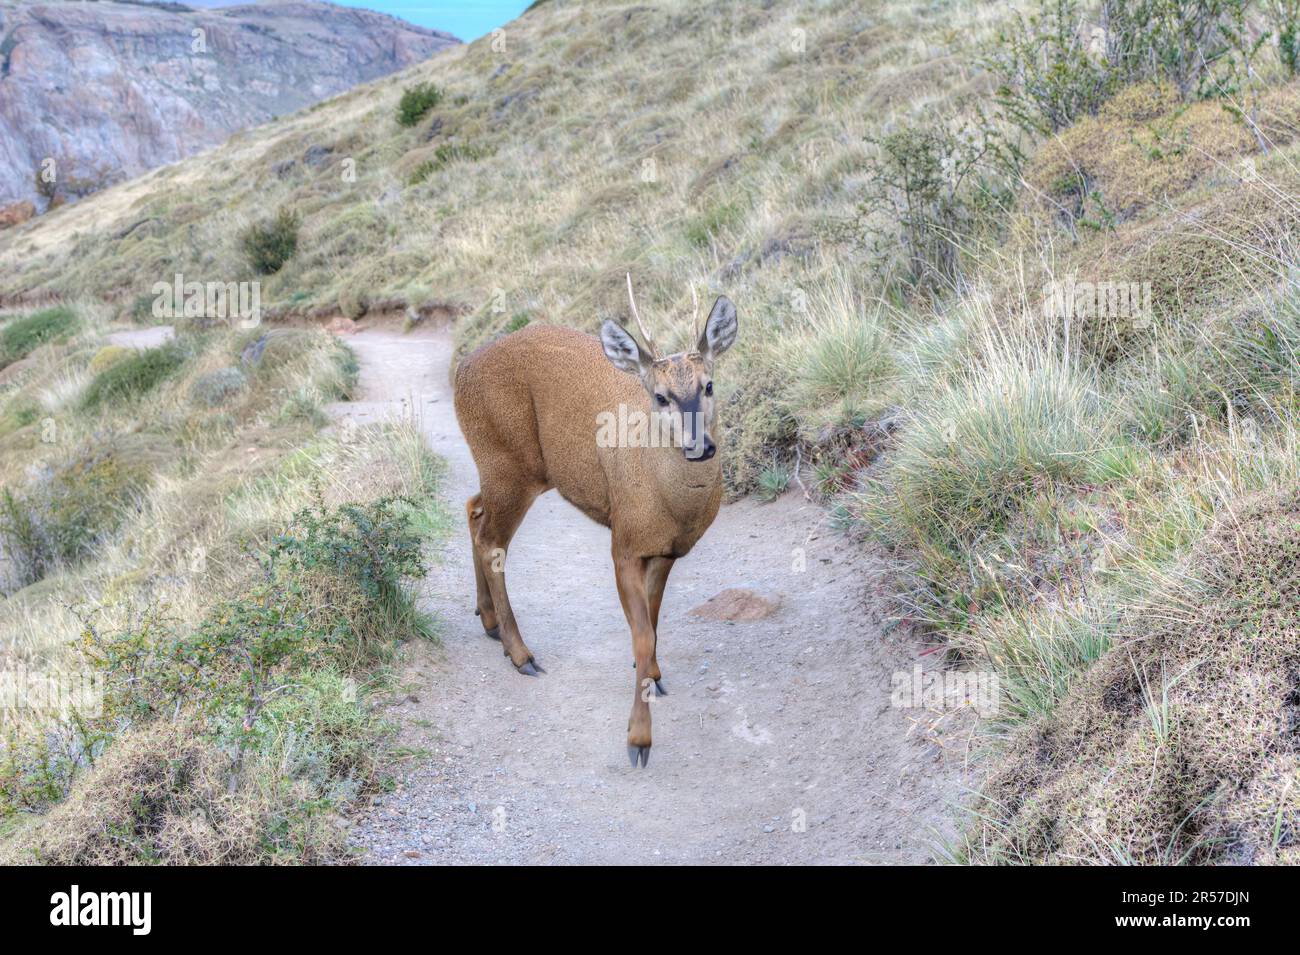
(445, 155)
(711, 224)
(330, 591)
(933, 187)
(976, 481)
(19, 337)
(133, 376)
(1048, 78)
(233, 740)
(773, 481)
(65, 513)
(217, 387)
(842, 359)
(416, 101)
(268, 245)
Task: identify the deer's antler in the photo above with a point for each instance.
(650, 342)
(695, 313)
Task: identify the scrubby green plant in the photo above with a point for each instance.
(930, 188)
(1054, 66)
(331, 589)
(416, 101)
(773, 481)
(1285, 17)
(706, 228)
(968, 455)
(217, 387)
(267, 246)
(445, 155)
(67, 511)
(132, 377)
(19, 337)
(251, 719)
(1047, 77)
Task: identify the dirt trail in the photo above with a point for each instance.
(767, 723)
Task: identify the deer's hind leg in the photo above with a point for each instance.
(500, 510)
(484, 608)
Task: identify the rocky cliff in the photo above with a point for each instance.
(95, 92)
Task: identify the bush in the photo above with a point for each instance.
(416, 101)
(968, 455)
(168, 793)
(67, 512)
(19, 337)
(331, 591)
(268, 245)
(216, 387)
(445, 155)
(132, 377)
(106, 356)
(235, 740)
(934, 183)
(1048, 77)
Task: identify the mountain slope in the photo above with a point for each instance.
(94, 93)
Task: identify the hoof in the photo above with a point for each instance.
(494, 633)
(637, 754)
(530, 668)
(659, 688)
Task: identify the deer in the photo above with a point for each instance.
(533, 407)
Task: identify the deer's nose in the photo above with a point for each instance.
(708, 450)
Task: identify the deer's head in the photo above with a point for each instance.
(681, 385)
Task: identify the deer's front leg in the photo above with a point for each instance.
(656, 577)
(629, 572)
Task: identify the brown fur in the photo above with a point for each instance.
(528, 406)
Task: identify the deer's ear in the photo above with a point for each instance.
(622, 349)
(719, 331)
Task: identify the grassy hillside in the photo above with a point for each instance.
(174, 527)
(899, 198)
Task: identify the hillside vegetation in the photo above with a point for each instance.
(1018, 301)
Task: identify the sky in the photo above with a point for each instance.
(466, 19)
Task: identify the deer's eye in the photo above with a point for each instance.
(708, 389)
(662, 401)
